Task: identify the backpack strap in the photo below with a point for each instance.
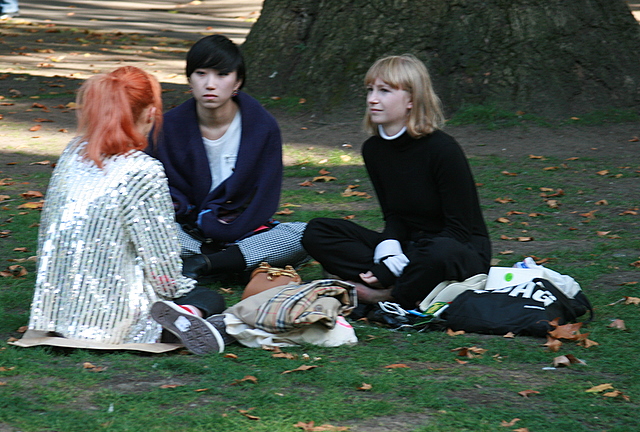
(564, 300)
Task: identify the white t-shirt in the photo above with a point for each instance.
(223, 152)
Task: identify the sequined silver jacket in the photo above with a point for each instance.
(107, 249)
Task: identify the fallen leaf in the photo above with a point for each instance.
(602, 202)
(567, 331)
(32, 205)
(553, 344)
(551, 168)
(535, 157)
(364, 387)
(306, 183)
(35, 128)
(509, 424)
(504, 200)
(249, 378)
(247, 415)
(309, 427)
(231, 356)
(566, 360)
(603, 172)
(599, 388)
(31, 194)
(300, 369)
(629, 212)
(284, 355)
(509, 335)
(324, 178)
(170, 386)
(503, 220)
(631, 300)
(454, 333)
(526, 393)
(324, 172)
(618, 324)
(617, 393)
(285, 212)
(44, 162)
(14, 271)
(397, 366)
(507, 173)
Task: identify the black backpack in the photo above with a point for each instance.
(524, 309)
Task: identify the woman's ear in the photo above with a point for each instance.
(151, 115)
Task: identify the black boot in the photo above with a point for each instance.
(196, 266)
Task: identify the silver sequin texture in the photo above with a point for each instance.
(107, 249)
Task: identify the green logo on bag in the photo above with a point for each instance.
(508, 277)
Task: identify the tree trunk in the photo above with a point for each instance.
(554, 57)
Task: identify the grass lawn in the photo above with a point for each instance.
(353, 388)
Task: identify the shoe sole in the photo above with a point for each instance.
(197, 335)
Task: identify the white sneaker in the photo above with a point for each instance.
(197, 335)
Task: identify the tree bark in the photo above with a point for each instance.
(554, 57)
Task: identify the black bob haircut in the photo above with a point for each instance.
(216, 52)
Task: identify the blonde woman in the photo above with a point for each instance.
(434, 229)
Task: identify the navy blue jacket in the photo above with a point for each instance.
(248, 198)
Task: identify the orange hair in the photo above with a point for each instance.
(109, 107)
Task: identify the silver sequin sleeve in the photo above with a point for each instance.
(107, 249)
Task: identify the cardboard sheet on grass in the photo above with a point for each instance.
(34, 338)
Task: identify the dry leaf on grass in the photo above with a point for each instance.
(397, 366)
(618, 324)
(526, 393)
(566, 331)
(617, 393)
(324, 178)
(302, 368)
(553, 344)
(247, 415)
(509, 424)
(248, 378)
(600, 388)
(566, 360)
(310, 427)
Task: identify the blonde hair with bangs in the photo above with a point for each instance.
(406, 72)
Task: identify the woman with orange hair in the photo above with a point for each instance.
(108, 254)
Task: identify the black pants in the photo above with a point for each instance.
(346, 250)
(209, 302)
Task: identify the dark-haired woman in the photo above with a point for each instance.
(222, 153)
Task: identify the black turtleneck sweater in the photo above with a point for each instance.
(425, 188)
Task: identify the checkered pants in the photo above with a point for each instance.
(279, 246)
